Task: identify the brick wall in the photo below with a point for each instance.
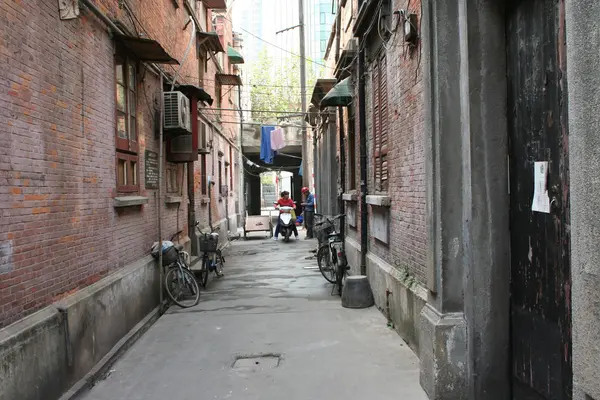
(59, 230)
(406, 156)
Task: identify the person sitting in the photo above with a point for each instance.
(285, 201)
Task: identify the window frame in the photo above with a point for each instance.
(129, 159)
(172, 181)
(128, 144)
(351, 145)
(203, 175)
(230, 169)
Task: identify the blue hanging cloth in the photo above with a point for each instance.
(300, 171)
(266, 152)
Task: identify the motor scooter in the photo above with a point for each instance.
(286, 222)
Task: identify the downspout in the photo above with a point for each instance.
(102, 17)
(338, 32)
(342, 173)
(242, 200)
(362, 115)
(160, 190)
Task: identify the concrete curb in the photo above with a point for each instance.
(104, 365)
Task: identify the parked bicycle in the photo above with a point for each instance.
(331, 257)
(180, 283)
(212, 257)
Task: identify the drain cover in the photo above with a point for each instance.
(266, 361)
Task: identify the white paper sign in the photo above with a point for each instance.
(541, 200)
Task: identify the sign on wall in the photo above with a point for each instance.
(151, 169)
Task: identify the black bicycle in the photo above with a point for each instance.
(212, 257)
(331, 256)
(180, 283)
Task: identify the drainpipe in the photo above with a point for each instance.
(338, 32)
(242, 189)
(101, 16)
(362, 115)
(342, 173)
(160, 190)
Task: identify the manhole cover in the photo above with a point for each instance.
(257, 362)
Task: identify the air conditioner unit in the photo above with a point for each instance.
(177, 112)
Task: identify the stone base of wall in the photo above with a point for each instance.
(46, 353)
(398, 300)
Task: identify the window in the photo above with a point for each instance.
(203, 176)
(351, 143)
(126, 105)
(380, 124)
(323, 45)
(218, 97)
(173, 178)
(220, 181)
(201, 67)
(230, 169)
(127, 172)
(323, 18)
(202, 139)
(126, 142)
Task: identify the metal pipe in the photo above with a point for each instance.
(160, 190)
(101, 15)
(187, 51)
(362, 115)
(242, 189)
(342, 174)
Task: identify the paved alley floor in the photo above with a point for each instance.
(290, 337)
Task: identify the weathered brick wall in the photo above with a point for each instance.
(59, 230)
(406, 156)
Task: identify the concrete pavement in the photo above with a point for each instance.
(268, 330)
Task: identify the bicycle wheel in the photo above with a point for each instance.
(342, 271)
(220, 261)
(182, 287)
(204, 271)
(326, 266)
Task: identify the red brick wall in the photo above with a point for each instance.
(406, 156)
(59, 230)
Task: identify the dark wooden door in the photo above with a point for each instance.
(540, 245)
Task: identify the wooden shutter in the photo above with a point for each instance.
(376, 124)
(383, 123)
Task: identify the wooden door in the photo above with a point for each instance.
(540, 243)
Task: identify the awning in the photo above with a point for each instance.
(145, 49)
(210, 41)
(198, 92)
(234, 56)
(215, 4)
(322, 87)
(340, 95)
(229, 80)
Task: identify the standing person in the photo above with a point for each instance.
(309, 211)
(285, 201)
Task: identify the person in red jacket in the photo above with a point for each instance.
(285, 201)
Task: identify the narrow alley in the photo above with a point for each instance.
(272, 306)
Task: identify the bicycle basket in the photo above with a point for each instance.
(208, 243)
(170, 255)
(323, 230)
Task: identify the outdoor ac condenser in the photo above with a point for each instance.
(177, 112)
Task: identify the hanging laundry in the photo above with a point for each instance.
(266, 152)
(300, 171)
(277, 139)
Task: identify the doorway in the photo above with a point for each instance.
(540, 243)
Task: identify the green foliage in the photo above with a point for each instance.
(276, 89)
